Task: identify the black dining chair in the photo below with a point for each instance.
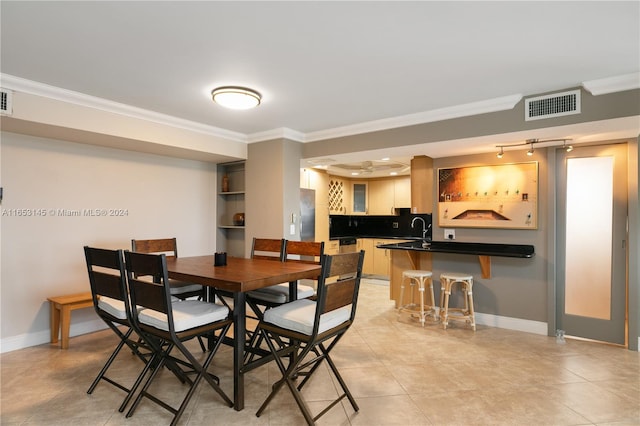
(107, 279)
(275, 295)
(305, 331)
(179, 289)
(169, 246)
(169, 325)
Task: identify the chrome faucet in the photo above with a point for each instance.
(424, 226)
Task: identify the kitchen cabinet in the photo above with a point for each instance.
(339, 195)
(382, 257)
(386, 195)
(360, 199)
(366, 244)
(332, 247)
(402, 192)
(230, 236)
(381, 196)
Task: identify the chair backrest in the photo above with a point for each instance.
(306, 251)
(145, 294)
(168, 246)
(106, 275)
(339, 283)
(268, 248)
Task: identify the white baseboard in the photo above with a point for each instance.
(41, 337)
(528, 326)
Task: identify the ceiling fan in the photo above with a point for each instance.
(369, 167)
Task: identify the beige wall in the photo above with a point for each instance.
(42, 255)
(273, 190)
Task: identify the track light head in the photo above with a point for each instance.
(501, 153)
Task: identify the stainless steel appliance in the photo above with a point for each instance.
(307, 214)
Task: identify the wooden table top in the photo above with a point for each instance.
(240, 274)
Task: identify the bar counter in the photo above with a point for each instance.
(479, 249)
(416, 254)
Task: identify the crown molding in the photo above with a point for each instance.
(474, 108)
(619, 83)
(595, 87)
(282, 132)
(18, 84)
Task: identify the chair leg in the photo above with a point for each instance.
(290, 373)
(202, 373)
(278, 385)
(106, 366)
(124, 340)
(164, 357)
(202, 346)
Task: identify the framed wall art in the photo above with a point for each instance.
(498, 196)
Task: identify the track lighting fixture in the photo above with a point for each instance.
(530, 152)
(531, 142)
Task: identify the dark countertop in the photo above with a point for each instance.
(378, 237)
(479, 249)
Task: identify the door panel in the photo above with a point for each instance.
(591, 243)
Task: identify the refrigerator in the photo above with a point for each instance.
(307, 214)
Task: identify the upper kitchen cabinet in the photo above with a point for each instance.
(387, 195)
(381, 194)
(402, 192)
(230, 208)
(339, 195)
(359, 198)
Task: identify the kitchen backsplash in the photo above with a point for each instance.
(378, 226)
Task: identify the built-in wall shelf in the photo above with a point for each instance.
(230, 238)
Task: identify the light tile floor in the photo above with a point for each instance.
(399, 373)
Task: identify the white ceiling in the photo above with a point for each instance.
(320, 66)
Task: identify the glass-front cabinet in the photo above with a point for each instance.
(360, 198)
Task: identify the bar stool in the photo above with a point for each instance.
(420, 278)
(466, 313)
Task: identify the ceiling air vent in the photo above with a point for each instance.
(6, 107)
(553, 105)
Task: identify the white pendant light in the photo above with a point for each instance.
(235, 97)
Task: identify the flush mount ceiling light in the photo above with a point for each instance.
(235, 97)
(531, 142)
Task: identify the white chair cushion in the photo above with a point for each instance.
(187, 314)
(181, 287)
(116, 307)
(113, 307)
(299, 316)
(279, 293)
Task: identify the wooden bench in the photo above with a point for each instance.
(61, 307)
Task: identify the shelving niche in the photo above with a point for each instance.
(230, 238)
